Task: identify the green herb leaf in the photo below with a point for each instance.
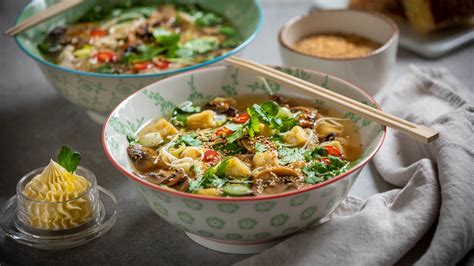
(209, 20)
(182, 111)
(202, 45)
(165, 37)
(318, 172)
(229, 149)
(239, 133)
(290, 155)
(190, 140)
(259, 147)
(227, 31)
(68, 158)
(230, 43)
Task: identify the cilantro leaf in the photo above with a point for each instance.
(318, 172)
(68, 158)
(229, 149)
(290, 155)
(239, 133)
(202, 45)
(165, 37)
(214, 177)
(209, 20)
(227, 31)
(190, 140)
(259, 147)
(182, 111)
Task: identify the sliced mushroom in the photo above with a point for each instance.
(182, 186)
(280, 99)
(166, 177)
(269, 173)
(223, 106)
(307, 115)
(142, 158)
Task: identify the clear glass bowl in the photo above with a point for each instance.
(97, 209)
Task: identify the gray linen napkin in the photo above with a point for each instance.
(436, 180)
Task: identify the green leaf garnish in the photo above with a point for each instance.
(209, 20)
(68, 158)
(290, 155)
(190, 140)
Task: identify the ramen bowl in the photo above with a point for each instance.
(99, 93)
(370, 71)
(240, 225)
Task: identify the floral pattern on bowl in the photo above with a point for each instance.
(246, 220)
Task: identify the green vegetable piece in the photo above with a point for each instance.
(290, 155)
(181, 113)
(105, 69)
(230, 43)
(202, 45)
(84, 52)
(68, 158)
(236, 190)
(190, 140)
(259, 147)
(165, 37)
(238, 134)
(227, 31)
(209, 20)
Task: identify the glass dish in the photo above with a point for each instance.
(17, 225)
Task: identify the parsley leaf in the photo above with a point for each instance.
(259, 147)
(68, 158)
(182, 111)
(209, 20)
(318, 172)
(214, 177)
(290, 155)
(190, 140)
(165, 37)
(202, 45)
(239, 133)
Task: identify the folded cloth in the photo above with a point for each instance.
(436, 180)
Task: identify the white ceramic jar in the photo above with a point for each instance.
(371, 71)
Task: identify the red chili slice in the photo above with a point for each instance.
(105, 56)
(98, 33)
(333, 151)
(211, 157)
(162, 64)
(241, 118)
(223, 131)
(142, 65)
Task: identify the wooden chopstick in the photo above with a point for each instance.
(418, 132)
(42, 16)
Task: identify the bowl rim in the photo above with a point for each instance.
(245, 198)
(394, 33)
(235, 50)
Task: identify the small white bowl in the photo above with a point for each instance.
(370, 71)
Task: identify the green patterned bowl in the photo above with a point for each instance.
(100, 93)
(235, 225)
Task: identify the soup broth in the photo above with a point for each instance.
(245, 146)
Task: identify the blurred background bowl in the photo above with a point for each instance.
(371, 71)
(99, 93)
(241, 225)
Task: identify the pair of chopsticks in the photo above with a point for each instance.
(42, 16)
(418, 132)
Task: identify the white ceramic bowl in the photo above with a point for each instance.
(99, 93)
(370, 72)
(235, 225)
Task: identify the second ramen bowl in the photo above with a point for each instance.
(242, 225)
(99, 93)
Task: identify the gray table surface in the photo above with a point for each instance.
(35, 121)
